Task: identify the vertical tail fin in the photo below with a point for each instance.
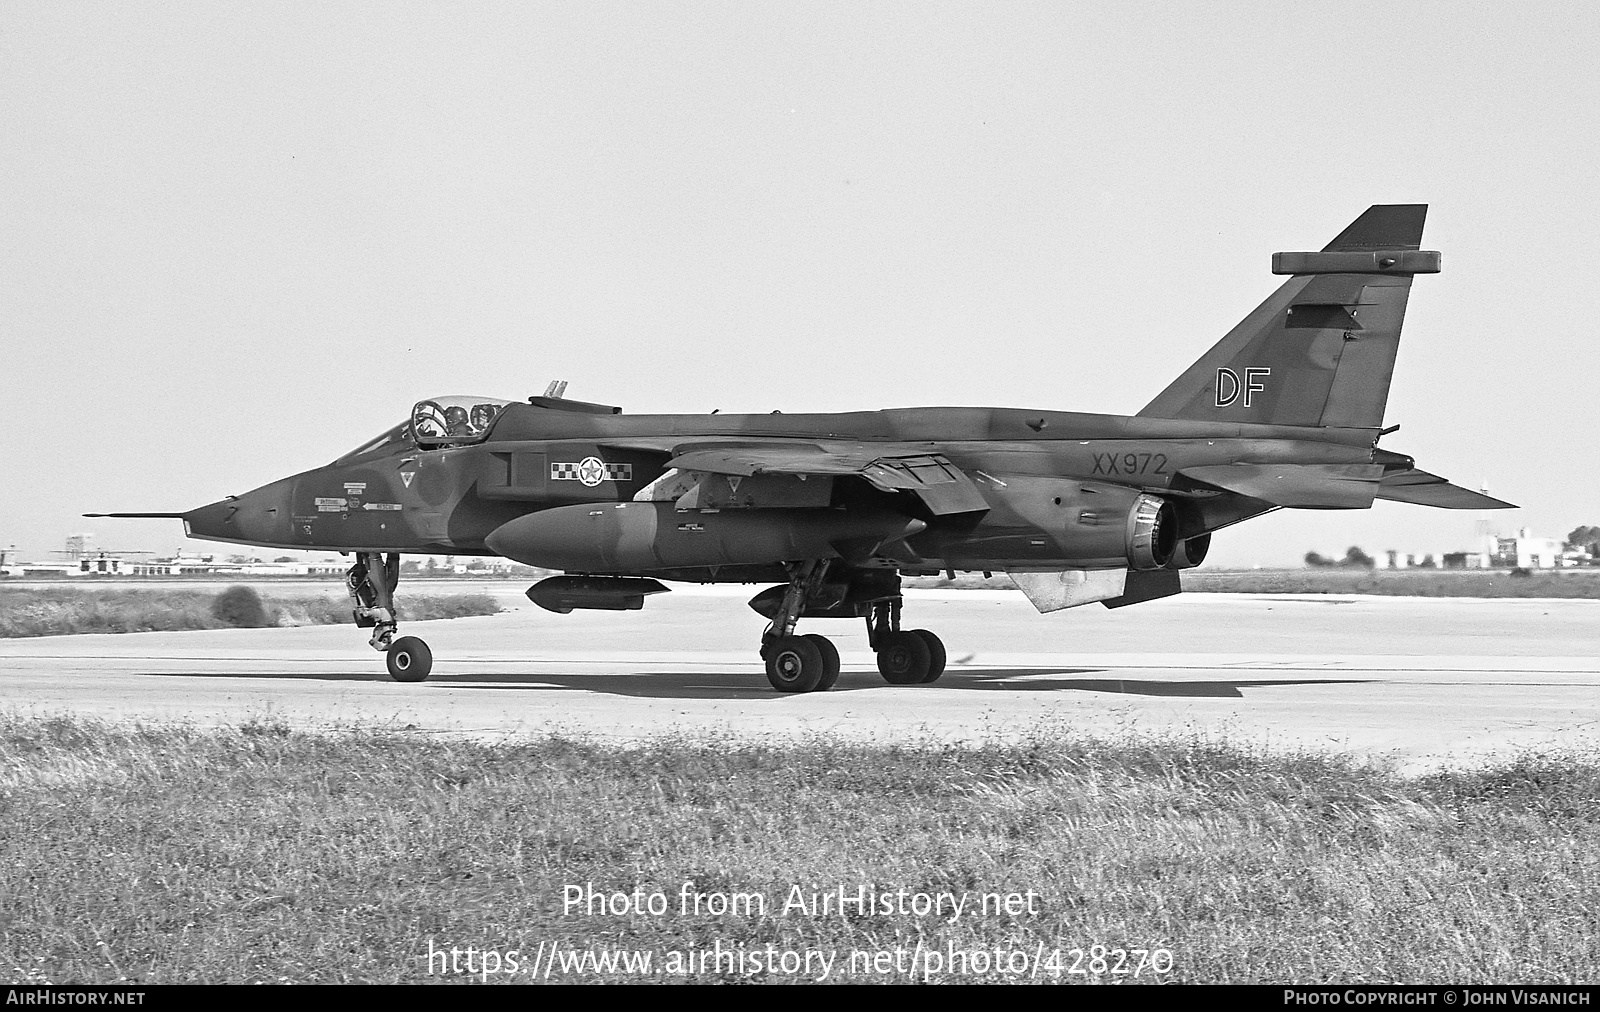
(1320, 351)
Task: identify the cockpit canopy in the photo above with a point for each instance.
(438, 421)
(453, 420)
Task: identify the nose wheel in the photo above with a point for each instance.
(372, 581)
(409, 659)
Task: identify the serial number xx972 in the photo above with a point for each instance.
(1129, 463)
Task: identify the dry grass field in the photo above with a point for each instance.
(1574, 583)
(1577, 583)
(260, 854)
(55, 611)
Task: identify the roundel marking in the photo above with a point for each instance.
(591, 471)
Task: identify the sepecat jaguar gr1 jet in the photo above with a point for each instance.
(1285, 411)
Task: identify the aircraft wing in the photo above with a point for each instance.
(1424, 489)
(745, 459)
(891, 467)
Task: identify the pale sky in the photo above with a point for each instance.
(236, 240)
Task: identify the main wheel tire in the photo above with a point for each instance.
(936, 654)
(830, 661)
(903, 659)
(794, 664)
(409, 659)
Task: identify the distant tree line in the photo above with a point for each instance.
(1585, 539)
(1354, 558)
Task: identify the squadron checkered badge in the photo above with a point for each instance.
(591, 471)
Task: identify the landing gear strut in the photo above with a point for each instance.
(372, 581)
(811, 663)
(799, 663)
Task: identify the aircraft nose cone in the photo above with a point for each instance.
(212, 522)
(261, 516)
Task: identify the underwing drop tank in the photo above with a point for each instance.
(564, 594)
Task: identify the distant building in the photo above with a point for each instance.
(1524, 551)
(210, 565)
(487, 567)
(104, 565)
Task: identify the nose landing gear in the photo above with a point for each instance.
(409, 659)
(372, 581)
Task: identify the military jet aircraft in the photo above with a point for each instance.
(1285, 411)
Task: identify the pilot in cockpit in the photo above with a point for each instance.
(482, 417)
(453, 420)
(428, 421)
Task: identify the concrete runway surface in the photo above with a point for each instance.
(1430, 682)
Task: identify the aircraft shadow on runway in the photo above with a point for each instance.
(753, 686)
(1040, 679)
(739, 685)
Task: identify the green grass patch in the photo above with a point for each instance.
(56, 611)
(260, 853)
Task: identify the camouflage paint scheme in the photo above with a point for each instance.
(458, 496)
(1285, 411)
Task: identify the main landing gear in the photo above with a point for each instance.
(372, 581)
(905, 657)
(811, 663)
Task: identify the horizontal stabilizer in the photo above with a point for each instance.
(1424, 489)
(1306, 486)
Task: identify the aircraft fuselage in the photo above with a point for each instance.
(1039, 472)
